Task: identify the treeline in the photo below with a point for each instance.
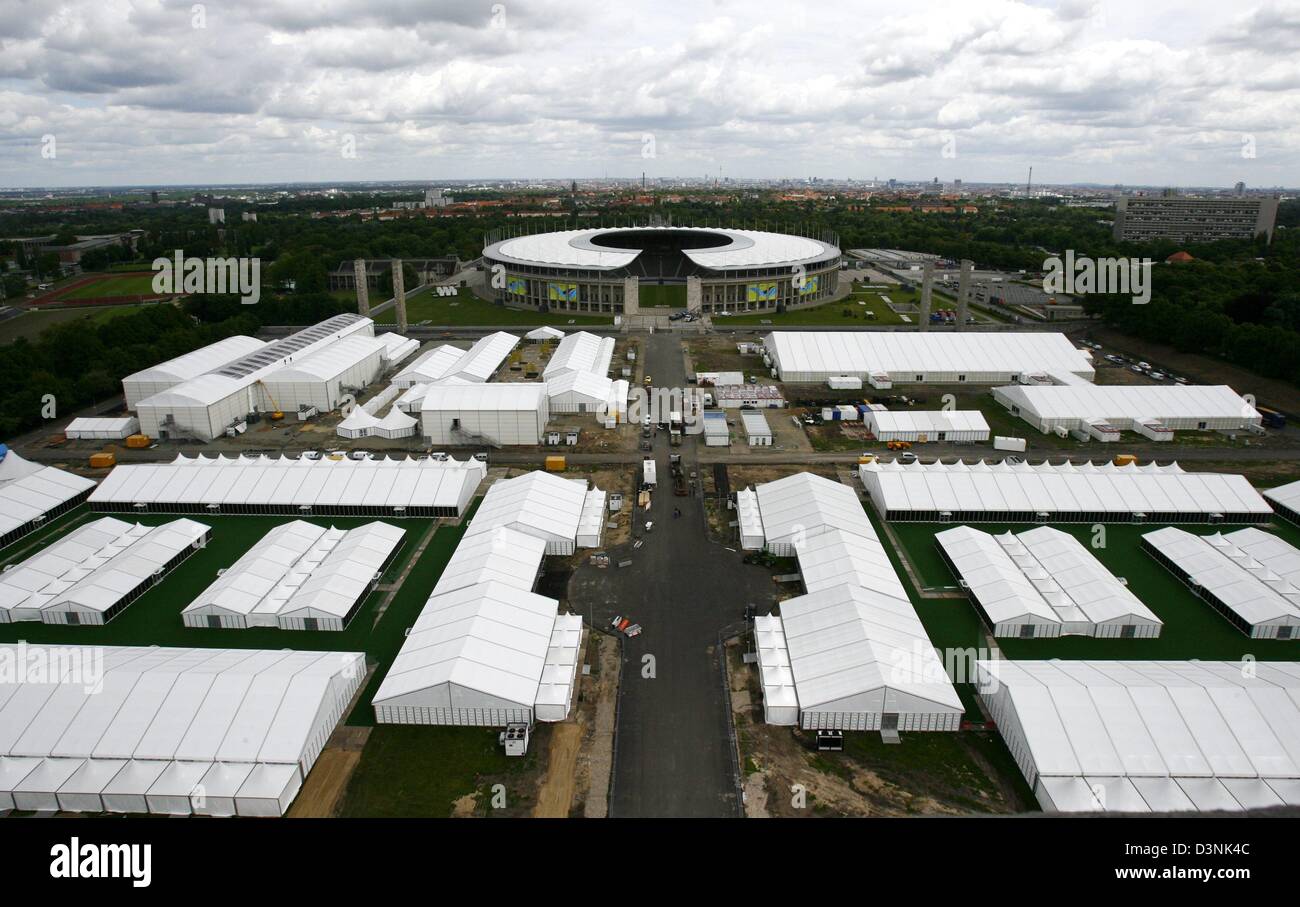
(82, 363)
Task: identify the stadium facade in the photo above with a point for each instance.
(623, 269)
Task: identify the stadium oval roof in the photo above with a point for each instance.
(733, 249)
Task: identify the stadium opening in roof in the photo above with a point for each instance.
(622, 269)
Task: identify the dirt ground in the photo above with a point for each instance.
(719, 354)
(744, 476)
(786, 777)
(323, 791)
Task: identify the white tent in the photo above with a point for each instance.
(536, 503)
(956, 426)
(1126, 407)
(240, 485)
(581, 352)
(396, 348)
(1149, 736)
(166, 375)
(84, 428)
(544, 333)
(749, 520)
(1286, 500)
(579, 392)
(299, 576)
(1043, 582)
(502, 555)
(31, 494)
(432, 366)
(803, 505)
(93, 574)
(1003, 492)
(141, 729)
(326, 377)
(498, 414)
(923, 358)
(1252, 597)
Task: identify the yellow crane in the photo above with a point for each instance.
(276, 414)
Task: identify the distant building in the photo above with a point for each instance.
(216, 215)
(1138, 219)
(248, 217)
(433, 198)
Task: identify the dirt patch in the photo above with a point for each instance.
(464, 808)
(555, 794)
(719, 354)
(323, 790)
(744, 476)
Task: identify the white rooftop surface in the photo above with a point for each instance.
(588, 384)
(581, 352)
(1137, 402)
(1068, 488)
(299, 566)
(1249, 588)
(330, 361)
(835, 557)
(29, 490)
(434, 365)
(489, 638)
(200, 361)
(108, 427)
(805, 504)
(747, 512)
(1003, 590)
(501, 555)
(545, 333)
(266, 481)
(536, 503)
(755, 423)
(109, 574)
(900, 353)
(853, 648)
(1287, 495)
(1074, 582)
(1195, 723)
(1271, 552)
(748, 248)
(482, 359)
(505, 397)
(396, 347)
(779, 690)
(928, 420)
(199, 705)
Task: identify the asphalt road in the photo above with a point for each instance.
(673, 755)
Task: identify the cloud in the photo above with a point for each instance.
(260, 90)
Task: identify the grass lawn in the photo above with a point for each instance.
(467, 309)
(853, 309)
(651, 295)
(1192, 628)
(31, 323)
(126, 285)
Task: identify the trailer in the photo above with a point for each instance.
(1001, 443)
(648, 473)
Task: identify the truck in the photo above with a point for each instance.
(1271, 418)
(648, 473)
(679, 477)
(675, 428)
(1002, 443)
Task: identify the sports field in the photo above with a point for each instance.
(650, 295)
(862, 308)
(33, 321)
(109, 286)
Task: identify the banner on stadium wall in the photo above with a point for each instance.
(562, 292)
(761, 292)
(809, 286)
(517, 286)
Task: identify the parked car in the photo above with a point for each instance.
(907, 457)
(439, 455)
(361, 455)
(481, 456)
(310, 455)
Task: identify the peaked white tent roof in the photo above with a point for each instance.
(536, 503)
(581, 352)
(1060, 488)
(1003, 590)
(264, 481)
(545, 333)
(331, 361)
(29, 490)
(513, 396)
(1137, 402)
(501, 555)
(1249, 588)
(928, 420)
(1287, 496)
(1269, 551)
(835, 557)
(201, 361)
(852, 648)
(1185, 735)
(803, 505)
(588, 384)
(54, 569)
(432, 366)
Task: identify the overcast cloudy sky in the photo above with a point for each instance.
(170, 91)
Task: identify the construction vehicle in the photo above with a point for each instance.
(679, 477)
(899, 445)
(276, 414)
(103, 460)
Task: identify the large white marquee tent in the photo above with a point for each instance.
(1149, 409)
(86, 428)
(1149, 736)
(31, 494)
(1234, 575)
(322, 379)
(1042, 583)
(299, 576)
(166, 375)
(1286, 500)
(539, 504)
(851, 653)
(379, 487)
(581, 352)
(167, 730)
(92, 574)
(957, 426)
(1004, 492)
(923, 358)
(498, 414)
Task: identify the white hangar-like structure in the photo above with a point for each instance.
(1043, 583)
(1153, 411)
(169, 731)
(379, 487)
(851, 652)
(1149, 736)
(486, 650)
(31, 495)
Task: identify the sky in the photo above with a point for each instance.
(130, 92)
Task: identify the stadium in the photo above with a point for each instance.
(626, 269)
